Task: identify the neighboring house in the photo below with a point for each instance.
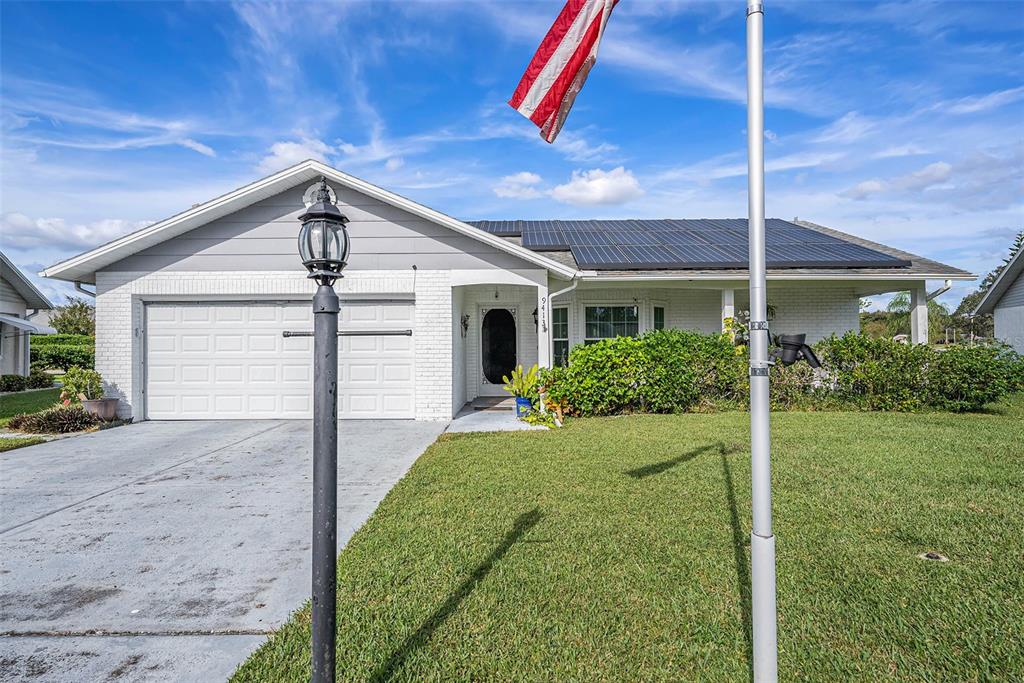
(190, 311)
(19, 299)
(1005, 301)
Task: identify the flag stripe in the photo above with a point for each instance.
(547, 48)
(560, 67)
(549, 105)
(560, 58)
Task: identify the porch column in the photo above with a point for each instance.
(543, 327)
(919, 315)
(728, 305)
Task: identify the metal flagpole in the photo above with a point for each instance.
(762, 542)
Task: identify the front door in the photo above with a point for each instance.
(497, 348)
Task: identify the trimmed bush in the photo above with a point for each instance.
(875, 374)
(37, 379)
(41, 340)
(13, 383)
(601, 379)
(63, 356)
(674, 371)
(664, 371)
(59, 419)
(689, 368)
(963, 378)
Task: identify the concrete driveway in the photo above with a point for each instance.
(165, 551)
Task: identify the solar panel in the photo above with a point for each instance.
(688, 243)
(544, 239)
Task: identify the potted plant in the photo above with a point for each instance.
(86, 386)
(523, 385)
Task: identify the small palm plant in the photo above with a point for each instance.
(523, 385)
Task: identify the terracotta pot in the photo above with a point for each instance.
(103, 408)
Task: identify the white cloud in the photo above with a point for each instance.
(594, 187)
(284, 154)
(864, 189)
(932, 174)
(23, 232)
(520, 185)
(851, 127)
(394, 163)
(979, 103)
(922, 179)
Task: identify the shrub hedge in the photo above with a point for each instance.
(669, 371)
(37, 379)
(63, 356)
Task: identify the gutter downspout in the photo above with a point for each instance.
(83, 290)
(940, 291)
(568, 289)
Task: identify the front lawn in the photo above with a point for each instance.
(616, 549)
(12, 442)
(26, 402)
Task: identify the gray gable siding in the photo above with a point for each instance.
(263, 237)
(1014, 295)
(10, 300)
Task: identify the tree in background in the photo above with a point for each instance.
(898, 321)
(963, 318)
(77, 316)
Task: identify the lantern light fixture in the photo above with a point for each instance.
(323, 239)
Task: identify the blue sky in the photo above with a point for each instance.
(901, 122)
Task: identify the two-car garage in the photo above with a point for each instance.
(231, 360)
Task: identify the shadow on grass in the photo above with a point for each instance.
(664, 465)
(739, 551)
(420, 636)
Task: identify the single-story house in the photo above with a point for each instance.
(191, 311)
(1005, 301)
(19, 299)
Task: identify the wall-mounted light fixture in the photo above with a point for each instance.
(465, 325)
(535, 318)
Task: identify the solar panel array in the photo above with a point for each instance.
(683, 244)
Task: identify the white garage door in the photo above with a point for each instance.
(230, 361)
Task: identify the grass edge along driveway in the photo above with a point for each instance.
(617, 549)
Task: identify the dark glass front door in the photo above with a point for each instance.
(498, 344)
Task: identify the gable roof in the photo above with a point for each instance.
(22, 285)
(716, 248)
(1006, 278)
(83, 267)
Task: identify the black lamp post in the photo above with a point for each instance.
(324, 245)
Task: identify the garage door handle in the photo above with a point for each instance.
(355, 333)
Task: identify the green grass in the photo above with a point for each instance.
(26, 402)
(616, 549)
(9, 444)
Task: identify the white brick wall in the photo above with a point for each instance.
(120, 301)
(810, 308)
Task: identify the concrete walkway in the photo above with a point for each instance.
(165, 551)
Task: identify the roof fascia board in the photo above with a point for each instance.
(1002, 283)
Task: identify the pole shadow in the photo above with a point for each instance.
(421, 635)
(665, 465)
(739, 550)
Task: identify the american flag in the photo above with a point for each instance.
(561, 64)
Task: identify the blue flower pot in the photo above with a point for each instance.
(523, 406)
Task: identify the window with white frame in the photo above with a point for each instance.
(658, 318)
(560, 335)
(605, 322)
